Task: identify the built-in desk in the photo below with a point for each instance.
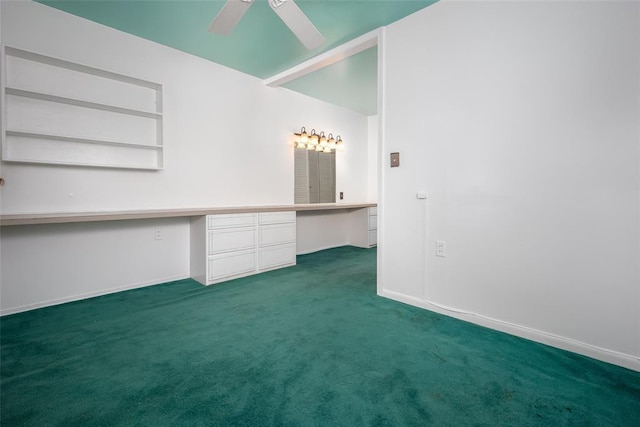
(51, 258)
(235, 241)
(68, 217)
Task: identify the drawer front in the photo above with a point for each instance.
(373, 211)
(277, 256)
(276, 217)
(228, 266)
(373, 237)
(277, 234)
(373, 222)
(231, 220)
(228, 240)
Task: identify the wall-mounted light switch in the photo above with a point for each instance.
(341, 195)
(395, 160)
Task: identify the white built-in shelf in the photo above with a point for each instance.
(56, 62)
(80, 103)
(54, 137)
(64, 113)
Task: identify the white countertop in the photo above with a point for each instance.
(67, 217)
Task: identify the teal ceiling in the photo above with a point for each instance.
(260, 45)
(350, 83)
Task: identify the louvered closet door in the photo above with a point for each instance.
(326, 177)
(301, 189)
(314, 185)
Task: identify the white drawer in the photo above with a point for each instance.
(277, 256)
(373, 237)
(373, 211)
(277, 234)
(228, 266)
(231, 220)
(231, 239)
(373, 222)
(276, 217)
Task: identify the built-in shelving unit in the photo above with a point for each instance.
(61, 112)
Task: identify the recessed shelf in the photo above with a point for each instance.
(63, 113)
(81, 140)
(87, 164)
(61, 63)
(80, 103)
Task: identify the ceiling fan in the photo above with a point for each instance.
(287, 10)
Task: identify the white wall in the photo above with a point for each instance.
(227, 142)
(320, 230)
(372, 159)
(520, 120)
(226, 135)
(48, 264)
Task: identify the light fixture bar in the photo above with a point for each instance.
(317, 141)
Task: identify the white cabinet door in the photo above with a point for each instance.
(373, 222)
(232, 265)
(231, 220)
(373, 237)
(277, 256)
(231, 239)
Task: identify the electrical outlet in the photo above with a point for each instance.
(441, 248)
(157, 234)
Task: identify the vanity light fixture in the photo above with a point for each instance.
(304, 137)
(323, 140)
(314, 141)
(301, 138)
(331, 142)
(314, 138)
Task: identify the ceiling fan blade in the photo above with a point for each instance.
(229, 16)
(297, 22)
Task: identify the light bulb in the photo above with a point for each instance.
(313, 139)
(323, 139)
(304, 137)
(331, 142)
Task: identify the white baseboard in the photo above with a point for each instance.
(610, 356)
(57, 301)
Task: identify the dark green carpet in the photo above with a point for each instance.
(307, 345)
